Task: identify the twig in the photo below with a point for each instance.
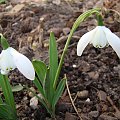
(114, 11)
(111, 102)
(72, 101)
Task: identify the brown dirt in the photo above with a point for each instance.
(96, 74)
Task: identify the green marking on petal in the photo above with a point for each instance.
(7, 69)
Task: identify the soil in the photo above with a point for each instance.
(93, 78)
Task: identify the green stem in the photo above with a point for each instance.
(100, 20)
(80, 19)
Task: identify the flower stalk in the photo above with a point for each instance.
(79, 20)
(99, 20)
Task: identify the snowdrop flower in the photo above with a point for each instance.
(99, 37)
(11, 59)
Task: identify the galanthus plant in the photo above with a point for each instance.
(47, 76)
(9, 60)
(99, 37)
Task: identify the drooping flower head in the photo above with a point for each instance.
(100, 37)
(11, 59)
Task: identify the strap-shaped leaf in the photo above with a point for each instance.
(53, 58)
(53, 64)
(47, 89)
(7, 91)
(39, 86)
(41, 70)
(1, 101)
(6, 112)
(58, 91)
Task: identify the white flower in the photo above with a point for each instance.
(11, 59)
(99, 37)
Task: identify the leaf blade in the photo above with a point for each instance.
(53, 60)
(7, 91)
(59, 91)
(41, 70)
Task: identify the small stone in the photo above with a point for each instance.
(30, 39)
(56, 31)
(84, 66)
(25, 98)
(69, 116)
(8, 8)
(34, 102)
(82, 94)
(30, 93)
(93, 75)
(74, 66)
(106, 117)
(102, 95)
(66, 30)
(40, 95)
(35, 45)
(88, 100)
(56, 2)
(93, 114)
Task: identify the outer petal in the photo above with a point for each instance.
(23, 64)
(6, 61)
(83, 42)
(113, 40)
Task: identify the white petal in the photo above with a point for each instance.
(113, 40)
(6, 61)
(99, 40)
(23, 64)
(84, 40)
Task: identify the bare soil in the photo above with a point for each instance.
(93, 78)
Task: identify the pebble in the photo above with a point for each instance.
(30, 93)
(34, 102)
(93, 114)
(82, 94)
(93, 75)
(69, 116)
(106, 117)
(56, 31)
(66, 30)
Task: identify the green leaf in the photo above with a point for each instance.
(47, 86)
(53, 58)
(41, 70)
(7, 91)
(6, 112)
(2, 1)
(17, 88)
(1, 101)
(39, 87)
(58, 91)
(3, 42)
(53, 65)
